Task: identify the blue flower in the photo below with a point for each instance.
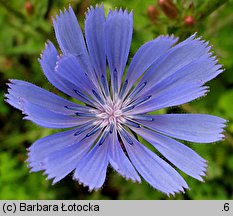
(116, 103)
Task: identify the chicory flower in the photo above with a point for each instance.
(117, 103)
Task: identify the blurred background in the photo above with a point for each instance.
(25, 26)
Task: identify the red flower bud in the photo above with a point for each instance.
(189, 20)
(29, 7)
(152, 13)
(169, 8)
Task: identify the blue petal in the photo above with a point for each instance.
(69, 69)
(179, 77)
(95, 37)
(197, 72)
(119, 160)
(60, 163)
(24, 91)
(58, 154)
(171, 96)
(180, 155)
(13, 101)
(91, 169)
(145, 56)
(153, 169)
(191, 127)
(42, 107)
(118, 29)
(70, 38)
(48, 62)
(47, 118)
(46, 145)
(189, 61)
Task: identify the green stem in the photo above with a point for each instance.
(209, 7)
(49, 6)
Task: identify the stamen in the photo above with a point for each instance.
(126, 136)
(134, 93)
(115, 81)
(128, 108)
(111, 128)
(80, 108)
(84, 96)
(123, 89)
(98, 97)
(131, 123)
(83, 128)
(85, 114)
(138, 102)
(94, 130)
(142, 117)
(104, 136)
(105, 85)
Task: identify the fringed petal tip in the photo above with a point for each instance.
(202, 172)
(13, 82)
(120, 12)
(12, 97)
(90, 188)
(202, 42)
(173, 193)
(35, 166)
(169, 37)
(202, 175)
(55, 180)
(10, 81)
(221, 136)
(91, 9)
(49, 48)
(134, 179)
(61, 15)
(51, 177)
(222, 124)
(40, 166)
(139, 181)
(65, 12)
(27, 117)
(205, 44)
(62, 12)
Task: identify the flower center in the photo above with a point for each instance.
(112, 113)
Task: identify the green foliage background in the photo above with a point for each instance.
(23, 33)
